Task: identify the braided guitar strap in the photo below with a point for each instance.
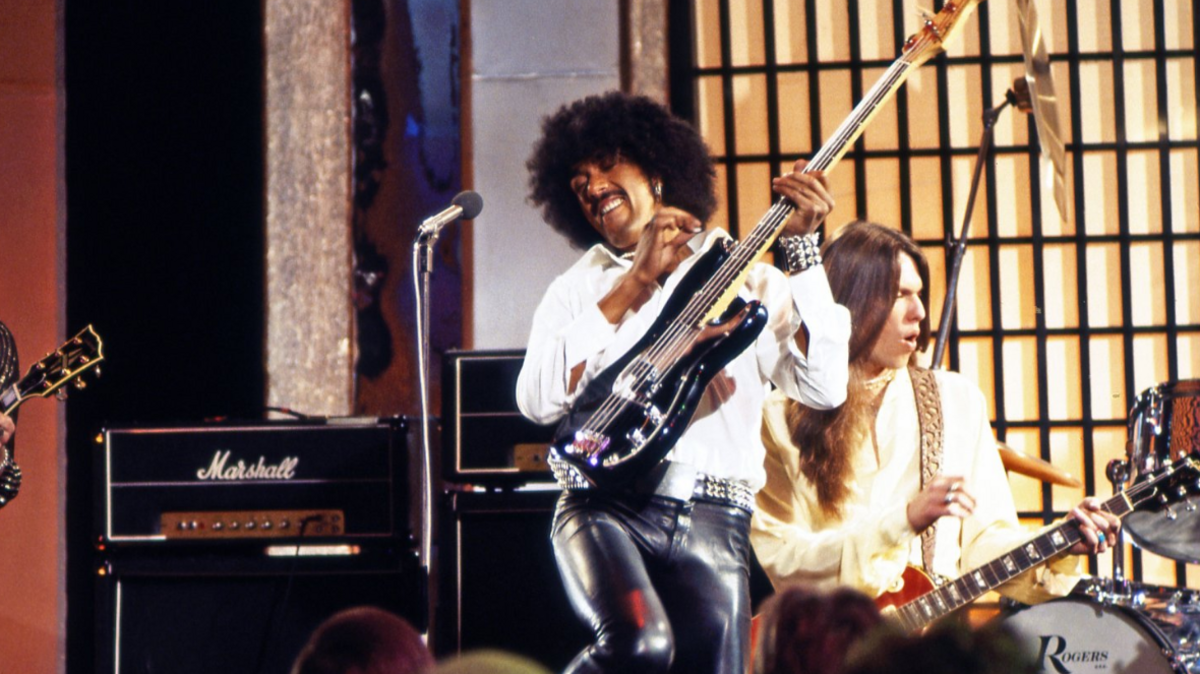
(929, 417)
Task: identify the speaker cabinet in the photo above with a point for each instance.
(199, 614)
(485, 438)
(499, 585)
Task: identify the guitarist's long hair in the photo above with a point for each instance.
(863, 265)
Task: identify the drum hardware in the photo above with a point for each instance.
(1078, 634)
(1164, 423)
(1118, 474)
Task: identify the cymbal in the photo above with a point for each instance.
(1044, 103)
(1019, 462)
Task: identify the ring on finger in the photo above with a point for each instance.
(949, 498)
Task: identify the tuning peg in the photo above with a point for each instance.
(97, 371)
(80, 384)
(61, 394)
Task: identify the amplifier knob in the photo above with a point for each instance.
(250, 525)
(235, 526)
(218, 526)
(267, 525)
(285, 524)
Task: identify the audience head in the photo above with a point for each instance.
(949, 647)
(489, 662)
(806, 630)
(364, 640)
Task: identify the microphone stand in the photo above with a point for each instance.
(422, 272)
(990, 117)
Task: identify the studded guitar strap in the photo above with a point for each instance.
(929, 417)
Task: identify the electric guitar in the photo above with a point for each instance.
(79, 354)
(630, 416)
(918, 602)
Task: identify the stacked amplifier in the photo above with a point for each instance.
(219, 547)
(498, 586)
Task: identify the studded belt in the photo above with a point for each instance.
(669, 479)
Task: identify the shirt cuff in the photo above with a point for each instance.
(810, 290)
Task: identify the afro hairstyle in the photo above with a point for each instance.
(638, 130)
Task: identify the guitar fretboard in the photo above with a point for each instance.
(920, 612)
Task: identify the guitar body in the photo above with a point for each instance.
(913, 584)
(643, 419)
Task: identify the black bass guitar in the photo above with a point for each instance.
(630, 416)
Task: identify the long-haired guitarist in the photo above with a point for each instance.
(907, 472)
(657, 566)
(10, 481)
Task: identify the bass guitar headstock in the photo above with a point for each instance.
(931, 40)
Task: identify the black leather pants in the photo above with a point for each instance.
(663, 584)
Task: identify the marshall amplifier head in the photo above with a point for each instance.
(486, 439)
(337, 478)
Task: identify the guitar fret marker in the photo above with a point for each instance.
(1058, 539)
(978, 577)
(1009, 565)
(1032, 551)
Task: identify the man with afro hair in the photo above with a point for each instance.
(658, 567)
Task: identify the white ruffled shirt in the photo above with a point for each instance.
(870, 545)
(723, 439)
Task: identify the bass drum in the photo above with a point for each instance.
(1164, 425)
(1079, 636)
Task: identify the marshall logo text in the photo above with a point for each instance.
(220, 470)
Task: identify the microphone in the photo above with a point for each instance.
(465, 205)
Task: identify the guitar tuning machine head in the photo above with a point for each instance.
(61, 394)
(80, 384)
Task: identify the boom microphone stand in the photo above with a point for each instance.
(465, 205)
(1018, 95)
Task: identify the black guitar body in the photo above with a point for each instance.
(637, 430)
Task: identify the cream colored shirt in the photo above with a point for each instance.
(723, 439)
(869, 547)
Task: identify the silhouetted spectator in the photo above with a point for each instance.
(364, 640)
(803, 629)
(489, 662)
(949, 647)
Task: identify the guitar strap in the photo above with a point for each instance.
(929, 418)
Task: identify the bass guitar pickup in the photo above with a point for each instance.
(242, 524)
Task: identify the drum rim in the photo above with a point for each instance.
(1145, 623)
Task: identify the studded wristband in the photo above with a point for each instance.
(799, 252)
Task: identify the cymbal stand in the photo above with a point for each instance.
(1117, 472)
(990, 117)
